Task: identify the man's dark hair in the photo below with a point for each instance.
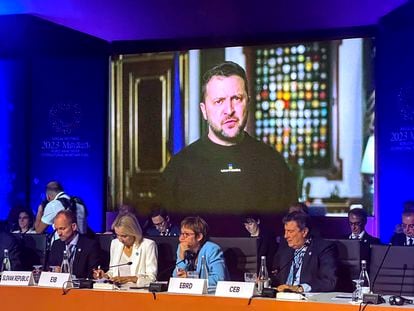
(225, 69)
(158, 211)
(249, 217)
(359, 212)
(301, 219)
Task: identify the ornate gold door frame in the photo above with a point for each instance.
(141, 99)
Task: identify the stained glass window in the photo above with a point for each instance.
(292, 96)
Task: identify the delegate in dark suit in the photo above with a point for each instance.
(400, 239)
(8, 241)
(319, 266)
(87, 256)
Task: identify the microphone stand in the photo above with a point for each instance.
(49, 238)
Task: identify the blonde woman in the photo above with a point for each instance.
(133, 258)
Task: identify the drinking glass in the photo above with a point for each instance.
(357, 293)
(37, 270)
(54, 268)
(192, 275)
(250, 277)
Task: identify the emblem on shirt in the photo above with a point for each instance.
(230, 169)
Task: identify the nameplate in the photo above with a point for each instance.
(18, 278)
(187, 286)
(290, 296)
(55, 279)
(235, 289)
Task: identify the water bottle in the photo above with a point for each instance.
(363, 276)
(204, 269)
(263, 278)
(5, 265)
(65, 266)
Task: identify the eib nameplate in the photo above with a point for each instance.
(187, 286)
(55, 279)
(17, 278)
(235, 289)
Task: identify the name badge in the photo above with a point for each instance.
(19, 278)
(235, 289)
(54, 279)
(187, 286)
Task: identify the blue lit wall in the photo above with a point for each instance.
(6, 95)
(395, 117)
(69, 115)
(53, 113)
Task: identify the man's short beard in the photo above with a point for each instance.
(223, 136)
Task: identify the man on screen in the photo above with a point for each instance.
(227, 170)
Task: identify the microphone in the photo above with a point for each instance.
(48, 247)
(376, 298)
(190, 258)
(403, 277)
(121, 265)
(399, 300)
(381, 264)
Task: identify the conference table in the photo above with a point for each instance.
(41, 298)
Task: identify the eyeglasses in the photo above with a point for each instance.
(408, 226)
(186, 234)
(357, 223)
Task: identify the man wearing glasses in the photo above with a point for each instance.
(406, 238)
(193, 246)
(162, 225)
(357, 218)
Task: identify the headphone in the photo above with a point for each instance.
(399, 301)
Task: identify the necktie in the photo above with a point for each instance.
(410, 242)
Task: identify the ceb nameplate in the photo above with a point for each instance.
(235, 289)
(17, 278)
(187, 286)
(55, 279)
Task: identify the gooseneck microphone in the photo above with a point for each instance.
(380, 266)
(400, 300)
(376, 298)
(121, 264)
(190, 258)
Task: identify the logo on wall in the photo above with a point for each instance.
(65, 117)
(406, 99)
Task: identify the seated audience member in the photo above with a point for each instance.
(305, 264)
(193, 246)
(162, 225)
(298, 207)
(405, 238)
(25, 222)
(130, 247)
(357, 218)
(8, 241)
(408, 207)
(83, 252)
(266, 241)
